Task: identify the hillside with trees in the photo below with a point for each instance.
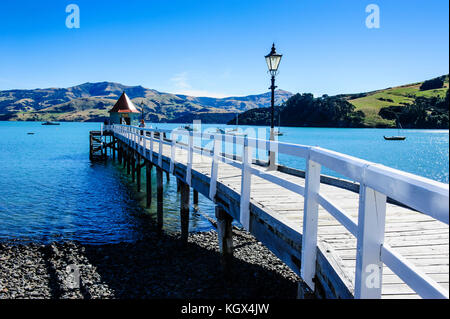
(430, 113)
(417, 105)
(305, 110)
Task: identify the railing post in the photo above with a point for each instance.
(172, 152)
(160, 149)
(246, 185)
(184, 211)
(215, 167)
(145, 144)
(310, 222)
(151, 146)
(189, 159)
(371, 225)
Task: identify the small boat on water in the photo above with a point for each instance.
(50, 123)
(235, 131)
(189, 128)
(394, 138)
(30, 133)
(278, 132)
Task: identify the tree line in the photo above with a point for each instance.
(305, 110)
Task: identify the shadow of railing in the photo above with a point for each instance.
(163, 267)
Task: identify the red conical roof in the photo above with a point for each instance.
(124, 105)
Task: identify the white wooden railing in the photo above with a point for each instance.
(377, 182)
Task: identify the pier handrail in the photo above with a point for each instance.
(377, 182)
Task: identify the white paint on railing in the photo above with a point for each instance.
(190, 157)
(310, 223)
(160, 149)
(172, 154)
(339, 214)
(370, 238)
(151, 145)
(420, 282)
(246, 178)
(217, 147)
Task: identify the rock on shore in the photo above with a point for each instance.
(155, 267)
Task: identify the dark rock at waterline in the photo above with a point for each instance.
(155, 267)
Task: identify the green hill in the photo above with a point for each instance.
(417, 105)
(371, 103)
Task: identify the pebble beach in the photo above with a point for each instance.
(157, 266)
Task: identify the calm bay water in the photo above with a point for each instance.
(49, 190)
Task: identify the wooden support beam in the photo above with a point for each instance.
(113, 149)
(119, 153)
(133, 165)
(303, 291)
(138, 172)
(225, 236)
(168, 176)
(148, 174)
(178, 185)
(128, 161)
(184, 211)
(159, 197)
(195, 197)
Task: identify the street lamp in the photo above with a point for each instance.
(273, 61)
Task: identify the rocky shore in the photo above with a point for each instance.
(158, 266)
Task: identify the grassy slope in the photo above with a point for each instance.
(371, 104)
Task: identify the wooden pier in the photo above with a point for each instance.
(382, 233)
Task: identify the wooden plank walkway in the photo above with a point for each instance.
(277, 221)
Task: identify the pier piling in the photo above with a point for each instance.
(225, 236)
(113, 148)
(195, 197)
(159, 197)
(184, 211)
(148, 176)
(133, 166)
(138, 173)
(128, 161)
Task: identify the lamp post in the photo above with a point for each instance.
(273, 60)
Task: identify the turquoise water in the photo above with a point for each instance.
(49, 190)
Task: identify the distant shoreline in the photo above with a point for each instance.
(245, 125)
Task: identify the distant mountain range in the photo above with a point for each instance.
(92, 101)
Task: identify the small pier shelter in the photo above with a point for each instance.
(124, 112)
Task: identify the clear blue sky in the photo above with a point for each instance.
(217, 47)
